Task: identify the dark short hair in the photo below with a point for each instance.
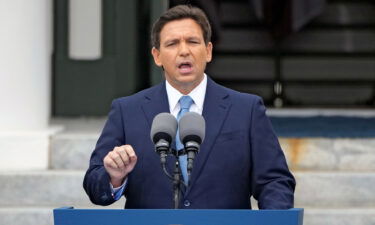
(177, 13)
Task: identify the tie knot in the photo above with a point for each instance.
(185, 102)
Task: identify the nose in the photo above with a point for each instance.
(184, 49)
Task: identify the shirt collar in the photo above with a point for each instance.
(197, 94)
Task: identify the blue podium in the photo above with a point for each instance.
(71, 216)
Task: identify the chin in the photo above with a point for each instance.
(188, 79)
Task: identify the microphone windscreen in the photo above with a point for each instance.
(164, 126)
(192, 127)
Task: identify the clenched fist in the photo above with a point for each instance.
(119, 163)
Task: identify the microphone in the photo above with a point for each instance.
(192, 128)
(163, 132)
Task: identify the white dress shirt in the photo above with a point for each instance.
(197, 94)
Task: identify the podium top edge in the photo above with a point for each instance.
(219, 210)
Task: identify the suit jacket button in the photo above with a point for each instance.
(186, 203)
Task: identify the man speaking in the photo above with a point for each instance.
(240, 156)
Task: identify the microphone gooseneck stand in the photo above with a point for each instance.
(176, 185)
(176, 178)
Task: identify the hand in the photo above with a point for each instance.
(119, 163)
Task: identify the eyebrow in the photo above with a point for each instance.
(174, 40)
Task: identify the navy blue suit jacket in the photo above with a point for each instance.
(239, 157)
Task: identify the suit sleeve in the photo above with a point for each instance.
(272, 182)
(96, 181)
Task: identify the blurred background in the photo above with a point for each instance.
(62, 62)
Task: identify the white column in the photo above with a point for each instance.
(25, 78)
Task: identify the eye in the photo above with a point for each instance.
(194, 41)
(170, 43)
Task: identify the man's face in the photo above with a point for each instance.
(183, 54)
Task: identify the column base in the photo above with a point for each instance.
(26, 150)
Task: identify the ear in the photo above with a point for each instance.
(156, 55)
(209, 52)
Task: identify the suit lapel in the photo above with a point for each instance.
(215, 110)
(155, 102)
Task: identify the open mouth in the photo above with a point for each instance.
(185, 67)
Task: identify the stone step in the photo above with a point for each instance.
(64, 188)
(35, 215)
(347, 13)
(251, 68)
(327, 69)
(45, 189)
(72, 150)
(236, 40)
(348, 216)
(351, 216)
(29, 216)
(335, 13)
(334, 154)
(332, 190)
(242, 68)
(323, 40)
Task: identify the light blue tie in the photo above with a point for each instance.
(185, 103)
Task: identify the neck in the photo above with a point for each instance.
(185, 88)
(185, 91)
